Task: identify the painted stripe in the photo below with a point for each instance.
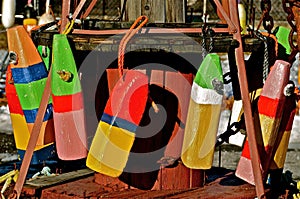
(40, 155)
(14, 103)
(30, 94)
(246, 152)
(118, 122)
(67, 103)
(269, 107)
(205, 96)
(29, 74)
(289, 125)
(30, 115)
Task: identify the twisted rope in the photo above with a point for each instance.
(122, 47)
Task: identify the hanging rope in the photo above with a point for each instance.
(122, 47)
(68, 28)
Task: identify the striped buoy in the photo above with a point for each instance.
(21, 132)
(284, 134)
(68, 111)
(115, 134)
(203, 115)
(19, 125)
(270, 109)
(29, 75)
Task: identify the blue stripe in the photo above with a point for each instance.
(41, 155)
(30, 115)
(29, 74)
(119, 122)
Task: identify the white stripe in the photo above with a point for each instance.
(205, 96)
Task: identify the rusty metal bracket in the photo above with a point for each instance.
(231, 26)
(255, 159)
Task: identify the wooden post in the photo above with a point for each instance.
(133, 10)
(158, 11)
(175, 11)
(154, 10)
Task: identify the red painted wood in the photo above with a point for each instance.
(88, 188)
(67, 103)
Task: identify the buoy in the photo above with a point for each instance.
(270, 109)
(8, 13)
(68, 111)
(29, 20)
(242, 17)
(203, 115)
(30, 75)
(115, 134)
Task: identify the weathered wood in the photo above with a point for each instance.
(175, 11)
(47, 181)
(133, 10)
(154, 10)
(223, 184)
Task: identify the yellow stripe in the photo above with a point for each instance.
(21, 132)
(110, 149)
(269, 129)
(200, 135)
(281, 151)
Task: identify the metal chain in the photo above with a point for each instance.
(266, 63)
(203, 43)
(211, 33)
(288, 8)
(268, 21)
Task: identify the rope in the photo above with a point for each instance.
(122, 47)
(68, 28)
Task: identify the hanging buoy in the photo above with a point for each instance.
(242, 16)
(30, 75)
(68, 110)
(30, 20)
(203, 115)
(8, 13)
(270, 109)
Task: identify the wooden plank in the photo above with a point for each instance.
(175, 11)
(154, 10)
(133, 10)
(47, 181)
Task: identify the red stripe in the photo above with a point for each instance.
(269, 107)
(291, 120)
(14, 103)
(67, 103)
(246, 152)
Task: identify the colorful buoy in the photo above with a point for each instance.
(115, 134)
(203, 115)
(30, 75)
(270, 109)
(68, 111)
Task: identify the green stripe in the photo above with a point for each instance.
(46, 58)
(30, 94)
(209, 69)
(63, 60)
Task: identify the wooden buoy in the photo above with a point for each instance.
(203, 115)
